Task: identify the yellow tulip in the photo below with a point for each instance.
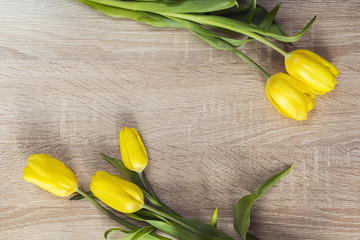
(289, 96)
(133, 152)
(50, 174)
(116, 192)
(314, 71)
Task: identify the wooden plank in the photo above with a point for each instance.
(71, 78)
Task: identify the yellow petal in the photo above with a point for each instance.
(286, 98)
(117, 193)
(132, 149)
(316, 58)
(275, 104)
(51, 168)
(296, 83)
(315, 76)
(50, 174)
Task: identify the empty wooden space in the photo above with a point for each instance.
(71, 78)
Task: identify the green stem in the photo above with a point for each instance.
(152, 194)
(146, 184)
(266, 42)
(176, 220)
(250, 61)
(107, 212)
(113, 216)
(229, 24)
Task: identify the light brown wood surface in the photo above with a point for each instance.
(71, 78)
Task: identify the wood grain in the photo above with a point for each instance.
(71, 78)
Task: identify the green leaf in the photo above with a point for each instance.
(243, 206)
(107, 232)
(81, 197)
(209, 231)
(219, 42)
(157, 221)
(236, 26)
(140, 233)
(180, 6)
(242, 214)
(130, 175)
(242, 5)
(178, 231)
(252, 11)
(183, 233)
(214, 217)
(277, 29)
(153, 19)
(167, 228)
(143, 233)
(269, 18)
(270, 182)
(161, 20)
(160, 205)
(209, 37)
(144, 215)
(259, 17)
(236, 42)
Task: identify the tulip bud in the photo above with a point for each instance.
(314, 71)
(116, 192)
(133, 152)
(289, 96)
(50, 174)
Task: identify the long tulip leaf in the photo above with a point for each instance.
(270, 182)
(140, 234)
(143, 233)
(161, 20)
(150, 18)
(226, 44)
(209, 231)
(168, 229)
(144, 215)
(210, 37)
(159, 222)
(237, 26)
(181, 6)
(269, 18)
(107, 232)
(242, 6)
(259, 17)
(243, 206)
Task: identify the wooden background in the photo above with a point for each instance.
(71, 78)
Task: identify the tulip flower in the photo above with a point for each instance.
(116, 192)
(318, 74)
(50, 174)
(133, 152)
(289, 96)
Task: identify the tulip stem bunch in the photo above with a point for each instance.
(222, 23)
(132, 196)
(107, 212)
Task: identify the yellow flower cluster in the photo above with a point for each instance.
(309, 74)
(54, 176)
